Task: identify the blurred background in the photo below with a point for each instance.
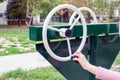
(15, 18)
(17, 12)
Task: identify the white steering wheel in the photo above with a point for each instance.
(64, 32)
(81, 9)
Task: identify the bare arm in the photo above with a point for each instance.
(99, 72)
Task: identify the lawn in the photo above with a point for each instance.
(48, 73)
(15, 42)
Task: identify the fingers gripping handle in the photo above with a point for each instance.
(73, 58)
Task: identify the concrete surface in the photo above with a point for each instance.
(24, 61)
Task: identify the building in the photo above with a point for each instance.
(3, 17)
(3, 8)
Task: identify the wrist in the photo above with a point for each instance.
(88, 66)
(91, 68)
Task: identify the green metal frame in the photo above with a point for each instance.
(93, 29)
(98, 49)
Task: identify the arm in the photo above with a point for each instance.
(100, 73)
(106, 74)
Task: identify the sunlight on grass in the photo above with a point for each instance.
(48, 73)
(116, 64)
(117, 60)
(15, 42)
(12, 50)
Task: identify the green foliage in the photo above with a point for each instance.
(112, 6)
(104, 7)
(16, 9)
(100, 5)
(43, 7)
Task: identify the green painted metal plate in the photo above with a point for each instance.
(35, 32)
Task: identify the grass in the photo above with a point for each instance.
(1, 46)
(48, 73)
(117, 60)
(15, 42)
(12, 50)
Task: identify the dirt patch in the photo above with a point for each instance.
(115, 67)
(5, 43)
(13, 27)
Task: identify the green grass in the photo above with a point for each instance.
(116, 63)
(48, 73)
(12, 50)
(13, 45)
(10, 39)
(13, 38)
(117, 60)
(1, 46)
(12, 33)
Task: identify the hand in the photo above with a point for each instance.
(79, 57)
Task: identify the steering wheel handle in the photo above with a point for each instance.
(63, 32)
(83, 9)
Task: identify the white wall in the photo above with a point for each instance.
(36, 19)
(3, 8)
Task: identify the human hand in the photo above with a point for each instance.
(81, 59)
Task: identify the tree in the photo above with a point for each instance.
(1, 0)
(42, 7)
(102, 7)
(16, 9)
(77, 3)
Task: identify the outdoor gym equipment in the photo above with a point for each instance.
(116, 36)
(83, 9)
(64, 32)
(61, 41)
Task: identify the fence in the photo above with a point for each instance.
(16, 21)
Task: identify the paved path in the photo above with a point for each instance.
(24, 61)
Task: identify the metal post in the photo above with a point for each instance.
(93, 43)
